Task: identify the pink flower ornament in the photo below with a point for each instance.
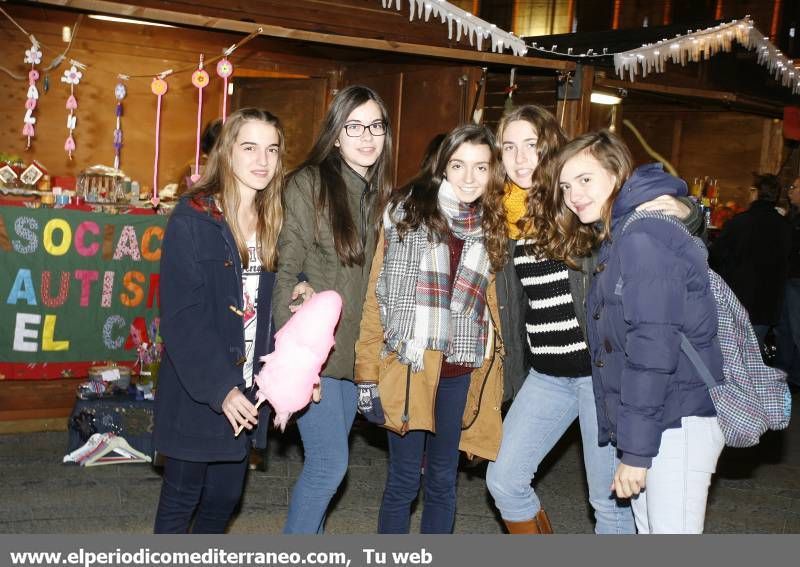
(200, 78)
(72, 76)
(224, 68)
(33, 56)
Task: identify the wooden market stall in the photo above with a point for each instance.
(300, 54)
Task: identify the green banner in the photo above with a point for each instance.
(73, 282)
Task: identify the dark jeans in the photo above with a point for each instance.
(441, 467)
(213, 489)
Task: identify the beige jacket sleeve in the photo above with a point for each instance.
(370, 336)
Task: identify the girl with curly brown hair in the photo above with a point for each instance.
(544, 297)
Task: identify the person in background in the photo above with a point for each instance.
(543, 313)
(752, 255)
(650, 291)
(207, 142)
(332, 215)
(428, 357)
(788, 331)
(218, 258)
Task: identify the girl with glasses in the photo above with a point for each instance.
(332, 204)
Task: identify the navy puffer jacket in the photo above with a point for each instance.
(643, 383)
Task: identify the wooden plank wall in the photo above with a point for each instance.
(699, 140)
(110, 48)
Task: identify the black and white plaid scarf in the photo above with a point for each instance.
(413, 289)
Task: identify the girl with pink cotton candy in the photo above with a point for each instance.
(217, 272)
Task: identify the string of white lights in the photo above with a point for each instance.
(702, 44)
(462, 23)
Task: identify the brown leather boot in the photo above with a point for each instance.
(538, 525)
(544, 522)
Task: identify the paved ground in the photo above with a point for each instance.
(756, 490)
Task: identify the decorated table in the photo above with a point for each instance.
(74, 281)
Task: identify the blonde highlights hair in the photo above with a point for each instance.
(219, 181)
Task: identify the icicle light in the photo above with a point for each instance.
(702, 44)
(461, 23)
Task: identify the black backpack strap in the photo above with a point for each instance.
(697, 362)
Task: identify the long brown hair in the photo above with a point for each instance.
(420, 196)
(538, 224)
(219, 181)
(332, 196)
(615, 157)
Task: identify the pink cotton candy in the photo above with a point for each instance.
(302, 346)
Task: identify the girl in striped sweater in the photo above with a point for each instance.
(547, 334)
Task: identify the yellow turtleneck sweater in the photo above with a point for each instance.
(514, 201)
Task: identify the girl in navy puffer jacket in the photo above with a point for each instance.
(650, 288)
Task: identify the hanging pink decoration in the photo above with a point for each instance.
(224, 70)
(159, 88)
(200, 80)
(119, 93)
(34, 57)
(72, 77)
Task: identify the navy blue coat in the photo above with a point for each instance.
(643, 383)
(201, 281)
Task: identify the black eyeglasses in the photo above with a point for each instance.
(355, 129)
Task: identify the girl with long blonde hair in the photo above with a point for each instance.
(218, 258)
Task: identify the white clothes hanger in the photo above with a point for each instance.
(106, 449)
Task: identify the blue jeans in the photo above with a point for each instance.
(441, 466)
(213, 489)
(787, 334)
(324, 429)
(540, 414)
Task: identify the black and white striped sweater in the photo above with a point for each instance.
(556, 345)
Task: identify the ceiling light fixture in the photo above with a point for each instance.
(604, 98)
(128, 21)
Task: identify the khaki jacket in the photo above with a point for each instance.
(402, 391)
(314, 255)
